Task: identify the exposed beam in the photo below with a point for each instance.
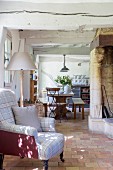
(69, 51)
(16, 15)
(65, 37)
(102, 41)
(56, 34)
(65, 40)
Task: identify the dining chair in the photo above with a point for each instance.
(54, 103)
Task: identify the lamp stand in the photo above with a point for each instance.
(21, 87)
(21, 61)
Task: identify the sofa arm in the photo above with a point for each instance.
(47, 124)
(18, 144)
(27, 130)
(18, 140)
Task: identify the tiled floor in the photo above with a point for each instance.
(83, 150)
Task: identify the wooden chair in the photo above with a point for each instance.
(55, 104)
(52, 104)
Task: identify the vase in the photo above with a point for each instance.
(67, 89)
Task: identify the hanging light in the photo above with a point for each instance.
(64, 69)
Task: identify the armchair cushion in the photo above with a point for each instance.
(47, 124)
(27, 116)
(54, 144)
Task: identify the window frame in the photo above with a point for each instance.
(7, 57)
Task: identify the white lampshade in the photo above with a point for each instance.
(21, 61)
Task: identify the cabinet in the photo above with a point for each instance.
(82, 92)
(85, 95)
(33, 86)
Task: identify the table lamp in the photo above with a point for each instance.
(21, 61)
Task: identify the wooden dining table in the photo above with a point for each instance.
(61, 100)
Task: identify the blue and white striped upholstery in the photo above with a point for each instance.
(47, 124)
(50, 144)
(48, 141)
(7, 100)
(27, 130)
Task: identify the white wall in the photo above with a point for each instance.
(49, 70)
(16, 81)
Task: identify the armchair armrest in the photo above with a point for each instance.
(47, 124)
(18, 140)
(27, 130)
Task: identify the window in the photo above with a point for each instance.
(7, 56)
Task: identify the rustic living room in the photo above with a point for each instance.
(56, 85)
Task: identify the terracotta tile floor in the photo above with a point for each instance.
(83, 150)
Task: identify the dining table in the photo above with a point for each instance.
(61, 101)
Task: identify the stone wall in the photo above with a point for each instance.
(107, 77)
(97, 56)
(101, 75)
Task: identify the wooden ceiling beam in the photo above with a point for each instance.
(102, 41)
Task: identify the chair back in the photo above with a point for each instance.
(7, 100)
(51, 92)
(52, 103)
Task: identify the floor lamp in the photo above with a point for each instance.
(21, 61)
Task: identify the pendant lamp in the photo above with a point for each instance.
(64, 69)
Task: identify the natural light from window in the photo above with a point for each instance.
(7, 55)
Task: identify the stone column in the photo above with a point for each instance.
(97, 56)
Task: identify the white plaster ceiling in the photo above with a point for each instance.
(62, 27)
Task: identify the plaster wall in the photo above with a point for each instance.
(48, 71)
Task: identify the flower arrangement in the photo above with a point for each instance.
(64, 80)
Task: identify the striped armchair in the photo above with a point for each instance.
(26, 141)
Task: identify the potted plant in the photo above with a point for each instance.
(65, 81)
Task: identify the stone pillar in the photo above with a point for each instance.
(95, 118)
(97, 56)
(101, 73)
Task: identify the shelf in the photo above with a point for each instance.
(35, 94)
(83, 92)
(33, 86)
(85, 99)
